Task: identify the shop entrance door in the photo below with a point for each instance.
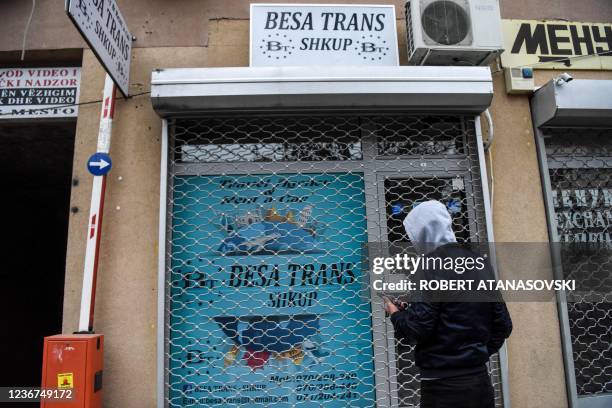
(268, 299)
(445, 174)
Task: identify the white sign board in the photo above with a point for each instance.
(323, 34)
(27, 93)
(106, 32)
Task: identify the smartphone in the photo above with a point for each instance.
(401, 305)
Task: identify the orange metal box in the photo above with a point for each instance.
(74, 361)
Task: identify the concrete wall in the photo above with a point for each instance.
(163, 23)
(195, 33)
(536, 373)
(126, 302)
(536, 370)
(154, 23)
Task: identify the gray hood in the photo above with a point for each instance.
(429, 225)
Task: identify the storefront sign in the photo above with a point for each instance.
(569, 44)
(27, 93)
(269, 304)
(103, 27)
(584, 214)
(310, 34)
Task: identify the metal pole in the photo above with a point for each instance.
(88, 292)
(161, 272)
(484, 179)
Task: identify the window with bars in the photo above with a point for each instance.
(268, 302)
(580, 171)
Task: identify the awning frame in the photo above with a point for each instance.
(580, 103)
(198, 91)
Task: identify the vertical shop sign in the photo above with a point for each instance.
(103, 27)
(268, 300)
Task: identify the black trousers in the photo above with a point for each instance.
(466, 391)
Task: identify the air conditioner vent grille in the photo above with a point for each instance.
(445, 22)
(409, 30)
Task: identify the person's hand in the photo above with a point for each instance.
(389, 306)
(400, 305)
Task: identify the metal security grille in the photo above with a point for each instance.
(580, 170)
(267, 296)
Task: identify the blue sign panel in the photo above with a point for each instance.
(99, 164)
(268, 300)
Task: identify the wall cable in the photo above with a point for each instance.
(75, 104)
(25, 31)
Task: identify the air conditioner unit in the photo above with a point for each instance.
(453, 32)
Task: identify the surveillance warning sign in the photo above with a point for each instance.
(300, 34)
(27, 93)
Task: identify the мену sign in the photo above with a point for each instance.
(557, 44)
(311, 34)
(106, 32)
(27, 93)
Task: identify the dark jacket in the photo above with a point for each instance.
(453, 338)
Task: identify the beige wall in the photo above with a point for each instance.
(518, 216)
(570, 10)
(154, 23)
(126, 303)
(196, 33)
(536, 370)
(164, 23)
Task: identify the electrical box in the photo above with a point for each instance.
(74, 362)
(519, 80)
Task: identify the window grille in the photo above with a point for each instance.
(580, 171)
(267, 301)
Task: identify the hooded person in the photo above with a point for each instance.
(429, 225)
(454, 339)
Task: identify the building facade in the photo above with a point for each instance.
(189, 288)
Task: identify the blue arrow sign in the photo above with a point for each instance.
(99, 164)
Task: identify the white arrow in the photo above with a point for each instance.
(101, 164)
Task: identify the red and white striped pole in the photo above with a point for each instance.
(88, 292)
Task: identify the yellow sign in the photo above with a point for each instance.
(65, 380)
(552, 44)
